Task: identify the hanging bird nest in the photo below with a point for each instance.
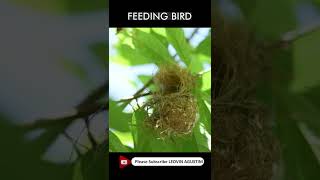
(174, 107)
(243, 144)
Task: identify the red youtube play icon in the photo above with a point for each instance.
(123, 162)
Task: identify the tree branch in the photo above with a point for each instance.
(90, 136)
(297, 34)
(85, 108)
(74, 144)
(193, 34)
(48, 122)
(138, 92)
(95, 95)
(292, 36)
(134, 97)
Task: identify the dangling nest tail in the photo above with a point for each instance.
(243, 144)
(174, 107)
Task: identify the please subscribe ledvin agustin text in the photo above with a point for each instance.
(159, 16)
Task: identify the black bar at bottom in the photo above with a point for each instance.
(159, 172)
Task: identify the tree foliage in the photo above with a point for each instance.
(140, 46)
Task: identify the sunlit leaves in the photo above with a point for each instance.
(120, 120)
(201, 137)
(206, 81)
(205, 115)
(151, 47)
(158, 46)
(140, 134)
(132, 55)
(177, 38)
(115, 145)
(205, 46)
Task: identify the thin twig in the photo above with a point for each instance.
(75, 147)
(193, 34)
(135, 97)
(94, 96)
(140, 91)
(144, 87)
(90, 136)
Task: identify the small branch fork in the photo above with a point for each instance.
(138, 94)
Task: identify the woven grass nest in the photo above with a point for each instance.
(243, 144)
(174, 107)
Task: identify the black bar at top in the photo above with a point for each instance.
(200, 10)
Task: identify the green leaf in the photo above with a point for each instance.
(202, 140)
(205, 46)
(205, 115)
(206, 96)
(195, 65)
(144, 79)
(115, 144)
(185, 144)
(141, 135)
(206, 81)
(160, 33)
(178, 40)
(306, 62)
(118, 120)
(151, 47)
(160, 145)
(133, 56)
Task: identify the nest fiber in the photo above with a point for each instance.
(243, 144)
(174, 107)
